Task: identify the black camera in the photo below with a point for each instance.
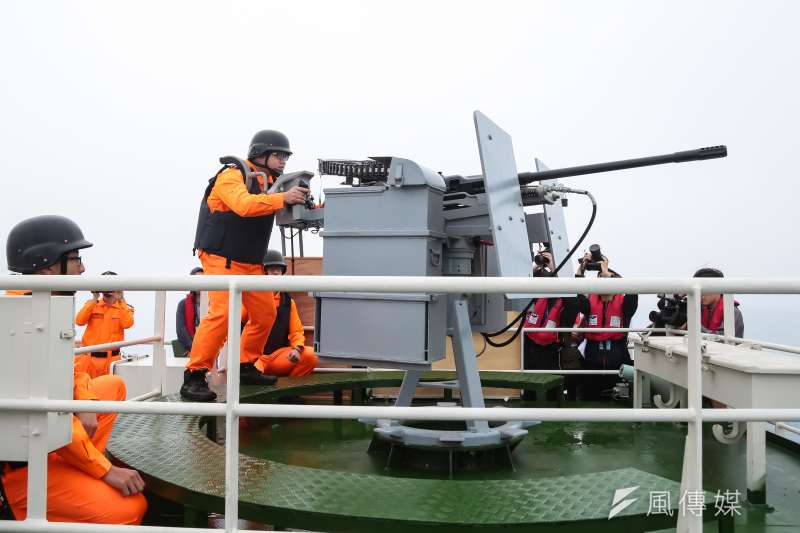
(671, 311)
(594, 262)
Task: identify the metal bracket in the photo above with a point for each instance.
(673, 398)
(737, 430)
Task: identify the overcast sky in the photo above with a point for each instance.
(115, 114)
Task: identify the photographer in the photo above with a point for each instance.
(604, 350)
(544, 350)
(712, 308)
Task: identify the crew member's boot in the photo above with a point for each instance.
(195, 387)
(249, 375)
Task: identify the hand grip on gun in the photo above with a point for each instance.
(296, 195)
(309, 203)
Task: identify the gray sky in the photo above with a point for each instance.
(115, 114)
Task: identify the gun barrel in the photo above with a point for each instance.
(699, 154)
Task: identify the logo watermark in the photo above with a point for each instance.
(691, 502)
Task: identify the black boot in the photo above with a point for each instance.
(195, 387)
(249, 375)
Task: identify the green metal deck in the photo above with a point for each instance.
(181, 464)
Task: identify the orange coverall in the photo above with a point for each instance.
(278, 363)
(103, 324)
(75, 492)
(230, 194)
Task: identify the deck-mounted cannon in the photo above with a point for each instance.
(395, 217)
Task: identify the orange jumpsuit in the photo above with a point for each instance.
(230, 194)
(75, 492)
(278, 363)
(103, 324)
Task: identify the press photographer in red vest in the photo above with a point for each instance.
(544, 350)
(712, 308)
(604, 350)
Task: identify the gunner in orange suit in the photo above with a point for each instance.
(106, 320)
(82, 485)
(233, 230)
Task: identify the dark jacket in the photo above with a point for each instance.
(180, 323)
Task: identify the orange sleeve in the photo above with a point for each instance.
(230, 189)
(82, 454)
(80, 386)
(297, 336)
(82, 318)
(126, 315)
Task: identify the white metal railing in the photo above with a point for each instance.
(38, 405)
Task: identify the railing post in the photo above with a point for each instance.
(159, 353)
(37, 422)
(728, 318)
(691, 521)
(231, 403)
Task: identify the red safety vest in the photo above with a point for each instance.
(712, 319)
(611, 318)
(536, 319)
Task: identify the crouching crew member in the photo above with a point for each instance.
(233, 230)
(82, 485)
(605, 350)
(285, 353)
(543, 350)
(712, 308)
(106, 320)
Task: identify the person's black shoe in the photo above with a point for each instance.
(195, 387)
(249, 375)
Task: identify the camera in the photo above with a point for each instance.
(671, 311)
(594, 263)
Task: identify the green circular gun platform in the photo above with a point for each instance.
(181, 464)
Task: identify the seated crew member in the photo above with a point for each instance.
(233, 229)
(285, 353)
(82, 485)
(712, 308)
(106, 320)
(187, 316)
(543, 349)
(605, 350)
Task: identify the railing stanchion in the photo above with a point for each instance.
(37, 422)
(231, 403)
(159, 353)
(690, 518)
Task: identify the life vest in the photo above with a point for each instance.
(224, 233)
(537, 319)
(602, 315)
(190, 314)
(713, 318)
(279, 334)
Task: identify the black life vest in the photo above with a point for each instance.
(224, 233)
(279, 334)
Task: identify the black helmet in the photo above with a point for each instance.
(268, 141)
(40, 241)
(274, 258)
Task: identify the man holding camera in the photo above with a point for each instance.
(106, 320)
(233, 230)
(604, 350)
(545, 350)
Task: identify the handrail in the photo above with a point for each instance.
(116, 345)
(453, 285)
(232, 410)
